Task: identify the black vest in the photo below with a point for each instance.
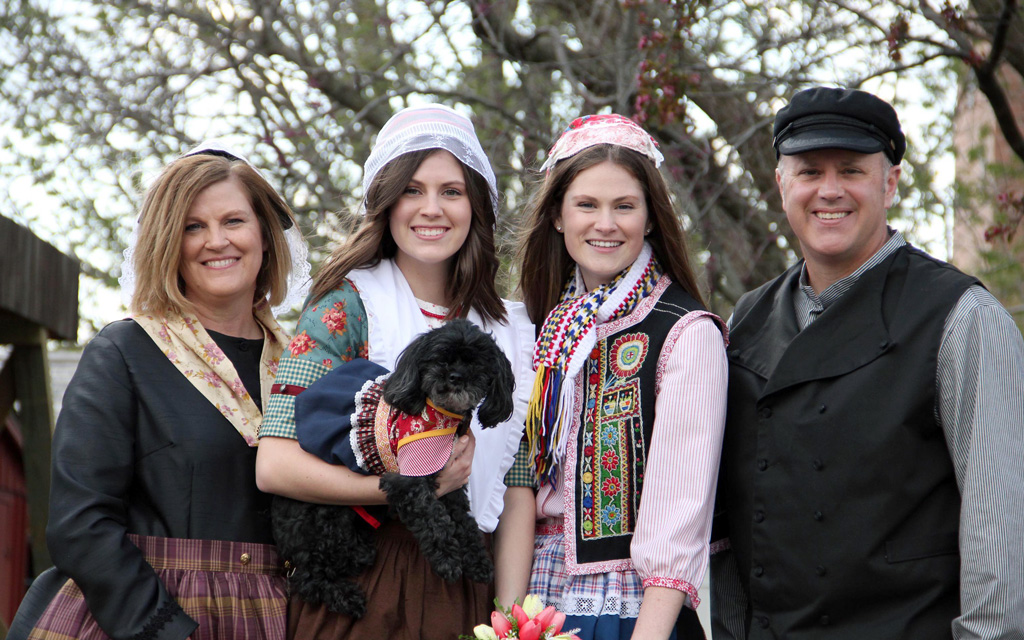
(836, 486)
(619, 381)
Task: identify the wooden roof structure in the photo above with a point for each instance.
(38, 286)
(38, 303)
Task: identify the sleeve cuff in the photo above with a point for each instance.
(169, 623)
(678, 585)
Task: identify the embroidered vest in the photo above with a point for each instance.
(836, 487)
(617, 386)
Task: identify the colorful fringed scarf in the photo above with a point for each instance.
(568, 335)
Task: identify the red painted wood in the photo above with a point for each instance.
(14, 548)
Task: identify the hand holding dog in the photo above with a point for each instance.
(455, 474)
(441, 380)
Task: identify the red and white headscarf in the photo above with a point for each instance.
(589, 131)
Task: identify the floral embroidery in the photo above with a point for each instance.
(610, 421)
(609, 460)
(611, 515)
(212, 379)
(628, 354)
(327, 362)
(301, 344)
(335, 318)
(272, 366)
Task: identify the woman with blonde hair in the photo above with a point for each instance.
(157, 528)
(628, 407)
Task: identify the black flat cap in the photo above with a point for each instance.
(831, 118)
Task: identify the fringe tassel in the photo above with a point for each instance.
(545, 421)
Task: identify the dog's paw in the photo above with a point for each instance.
(479, 569)
(347, 599)
(340, 596)
(476, 562)
(449, 568)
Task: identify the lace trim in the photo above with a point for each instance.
(159, 620)
(578, 605)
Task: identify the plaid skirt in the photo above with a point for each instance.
(599, 606)
(232, 589)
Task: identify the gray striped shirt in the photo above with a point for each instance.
(980, 405)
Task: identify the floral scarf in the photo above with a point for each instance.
(566, 339)
(193, 352)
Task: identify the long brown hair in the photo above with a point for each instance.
(545, 264)
(157, 258)
(471, 277)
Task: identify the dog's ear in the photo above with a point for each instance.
(403, 388)
(497, 406)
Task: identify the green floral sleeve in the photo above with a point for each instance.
(331, 330)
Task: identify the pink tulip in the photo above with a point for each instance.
(530, 631)
(519, 615)
(500, 624)
(545, 617)
(557, 621)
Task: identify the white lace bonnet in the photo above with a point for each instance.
(298, 276)
(429, 126)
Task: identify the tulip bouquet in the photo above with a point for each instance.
(531, 621)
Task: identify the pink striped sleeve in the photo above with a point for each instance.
(670, 545)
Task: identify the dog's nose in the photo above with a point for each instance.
(454, 377)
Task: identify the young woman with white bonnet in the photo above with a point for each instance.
(422, 254)
(157, 528)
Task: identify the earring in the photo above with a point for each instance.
(558, 228)
(648, 230)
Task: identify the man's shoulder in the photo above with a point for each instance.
(750, 298)
(936, 270)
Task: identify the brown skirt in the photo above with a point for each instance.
(406, 600)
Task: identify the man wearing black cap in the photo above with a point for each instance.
(872, 478)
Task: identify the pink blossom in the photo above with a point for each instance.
(335, 319)
(213, 353)
(301, 344)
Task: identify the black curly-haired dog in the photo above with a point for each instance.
(458, 367)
